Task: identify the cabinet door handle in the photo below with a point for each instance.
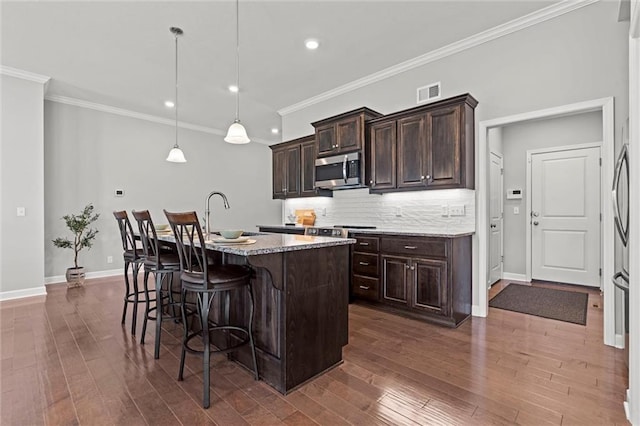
(364, 244)
(364, 263)
(407, 266)
(410, 247)
(413, 268)
(364, 287)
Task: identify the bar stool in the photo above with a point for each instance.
(162, 263)
(133, 256)
(205, 281)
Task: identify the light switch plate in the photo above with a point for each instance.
(516, 210)
(444, 210)
(21, 211)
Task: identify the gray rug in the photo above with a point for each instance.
(568, 306)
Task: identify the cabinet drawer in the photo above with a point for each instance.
(366, 288)
(366, 244)
(415, 246)
(365, 264)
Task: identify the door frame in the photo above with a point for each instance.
(501, 157)
(528, 270)
(480, 304)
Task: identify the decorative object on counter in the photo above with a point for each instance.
(306, 217)
(237, 133)
(207, 211)
(204, 282)
(231, 233)
(82, 238)
(176, 155)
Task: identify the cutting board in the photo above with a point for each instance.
(305, 217)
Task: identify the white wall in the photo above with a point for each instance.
(89, 154)
(579, 56)
(517, 140)
(22, 183)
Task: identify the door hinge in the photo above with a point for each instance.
(501, 171)
(600, 217)
(600, 272)
(600, 161)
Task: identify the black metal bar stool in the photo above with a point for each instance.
(162, 263)
(134, 257)
(205, 281)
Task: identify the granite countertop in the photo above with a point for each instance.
(390, 231)
(271, 243)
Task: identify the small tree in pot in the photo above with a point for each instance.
(83, 238)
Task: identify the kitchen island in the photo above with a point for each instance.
(301, 292)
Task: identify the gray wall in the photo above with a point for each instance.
(579, 56)
(21, 159)
(89, 154)
(517, 140)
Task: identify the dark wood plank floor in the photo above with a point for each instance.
(67, 360)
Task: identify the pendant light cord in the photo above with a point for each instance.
(238, 60)
(176, 100)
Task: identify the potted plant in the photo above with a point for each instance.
(83, 237)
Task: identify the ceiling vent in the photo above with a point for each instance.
(429, 93)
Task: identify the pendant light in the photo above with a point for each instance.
(176, 155)
(237, 133)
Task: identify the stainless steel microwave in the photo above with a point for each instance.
(339, 171)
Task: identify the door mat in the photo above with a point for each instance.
(568, 306)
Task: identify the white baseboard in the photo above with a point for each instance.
(477, 312)
(619, 341)
(56, 279)
(515, 277)
(626, 406)
(19, 294)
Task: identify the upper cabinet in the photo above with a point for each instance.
(342, 133)
(427, 147)
(294, 168)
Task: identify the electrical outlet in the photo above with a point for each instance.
(457, 210)
(109, 259)
(445, 210)
(21, 211)
(324, 211)
(516, 210)
(398, 211)
(119, 193)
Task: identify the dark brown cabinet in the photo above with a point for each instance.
(427, 278)
(432, 145)
(365, 282)
(382, 156)
(293, 169)
(342, 133)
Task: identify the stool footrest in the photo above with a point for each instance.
(233, 348)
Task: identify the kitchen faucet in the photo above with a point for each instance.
(207, 211)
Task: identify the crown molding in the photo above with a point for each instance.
(140, 116)
(25, 75)
(486, 36)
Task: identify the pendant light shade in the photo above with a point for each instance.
(237, 134)
(176, 155)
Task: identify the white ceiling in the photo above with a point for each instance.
(121, 54)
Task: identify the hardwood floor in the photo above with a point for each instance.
(67, 360)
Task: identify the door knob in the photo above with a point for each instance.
(535, 214)
(493, 226)
(535, 222)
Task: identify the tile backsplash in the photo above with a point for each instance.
(428, 211)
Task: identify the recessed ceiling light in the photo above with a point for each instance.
(311, 44)
(169, 104)
(275, 131)
(233, 88)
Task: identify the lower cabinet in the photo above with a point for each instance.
(426, 278)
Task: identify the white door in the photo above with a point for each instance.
(565, 216)
(495, 218)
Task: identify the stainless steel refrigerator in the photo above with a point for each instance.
(620, 195)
